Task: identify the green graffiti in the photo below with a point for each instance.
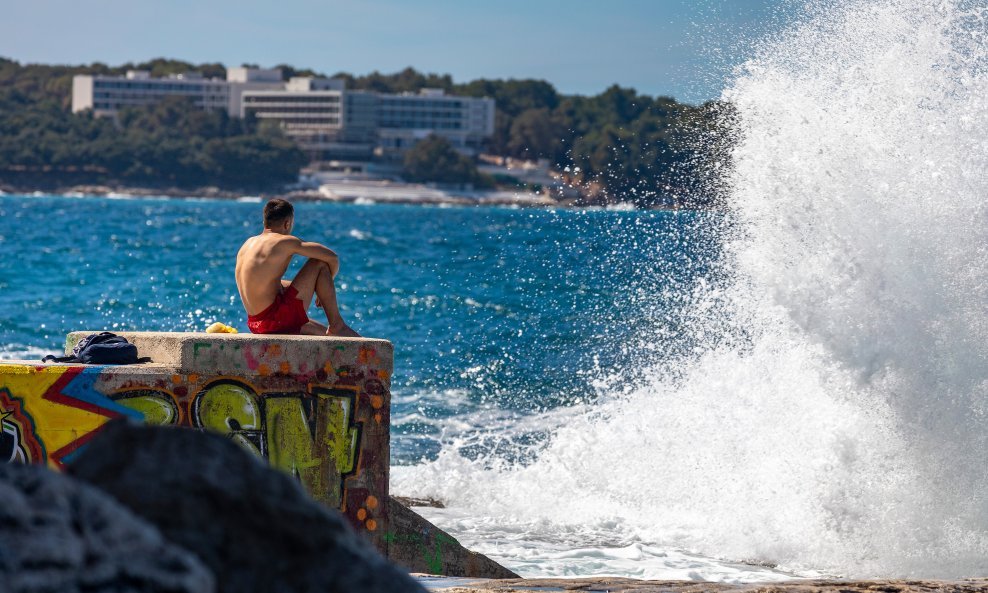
(337, 433)
(157, 407)
(312, 438)
(290, 443)
(232, 409)
(319, 454)
(197, 346)
(435, 560)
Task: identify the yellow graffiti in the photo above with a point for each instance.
(319, 446)
(231, 409)
(57, 425)
(340, 438)
(319, 460)
(291, 447)
(158, 408)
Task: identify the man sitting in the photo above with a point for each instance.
(277, 306)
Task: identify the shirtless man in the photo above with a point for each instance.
(277, 306)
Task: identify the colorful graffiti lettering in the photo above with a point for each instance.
(312, 435)
(321, 417)
(309, 435)
(65, 411)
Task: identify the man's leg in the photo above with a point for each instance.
(316, 278)
(305, 281)
(326, 290)
(313, 328)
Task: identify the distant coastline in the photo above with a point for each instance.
(392, 193)
(603, 150)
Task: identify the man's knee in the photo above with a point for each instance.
(318, 264)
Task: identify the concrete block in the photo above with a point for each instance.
(421, 547)
(250, 353)
(317, 408)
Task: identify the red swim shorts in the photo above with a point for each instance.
(286, 315)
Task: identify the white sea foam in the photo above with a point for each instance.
(834, 413)
(18, 352)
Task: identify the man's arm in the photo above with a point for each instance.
(319, 252)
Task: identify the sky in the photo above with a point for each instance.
(680, 48)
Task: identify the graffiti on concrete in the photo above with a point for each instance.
(17, 441)
(50, 412)
(310, 431)
(316, 410)
(429, 544)
(311, 436)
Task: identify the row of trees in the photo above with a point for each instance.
(435, 160)
(619, 144)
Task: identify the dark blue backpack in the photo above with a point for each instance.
(101, 348)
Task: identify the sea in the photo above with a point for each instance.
(792, 385)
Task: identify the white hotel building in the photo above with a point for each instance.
(320, 114)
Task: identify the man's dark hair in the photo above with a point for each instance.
(277, 211)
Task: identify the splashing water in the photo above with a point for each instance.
(832, 413)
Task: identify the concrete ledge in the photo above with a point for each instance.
(204, 352)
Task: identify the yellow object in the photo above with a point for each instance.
(220, 328)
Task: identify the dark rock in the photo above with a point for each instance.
(60, 535)
(252, 525)
(420, 546)
(409, 501)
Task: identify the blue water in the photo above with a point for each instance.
(490, 309)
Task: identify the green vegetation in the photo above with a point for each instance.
(435, 160)
(616, 146)
(619, 145)
(170, 144)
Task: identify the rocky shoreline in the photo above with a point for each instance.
(622, 585)
(494, 198)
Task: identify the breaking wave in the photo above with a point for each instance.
(831, 413)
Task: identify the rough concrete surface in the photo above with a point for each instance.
(421, 547)
(203, 353)
(59, 535)
(253, 526)
(618, 585)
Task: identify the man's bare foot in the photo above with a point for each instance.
(342, 330)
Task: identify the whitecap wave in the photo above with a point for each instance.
(830, 414)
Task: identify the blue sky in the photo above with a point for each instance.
(682, 48)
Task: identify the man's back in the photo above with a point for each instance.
(261, 263)
(274, 305)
